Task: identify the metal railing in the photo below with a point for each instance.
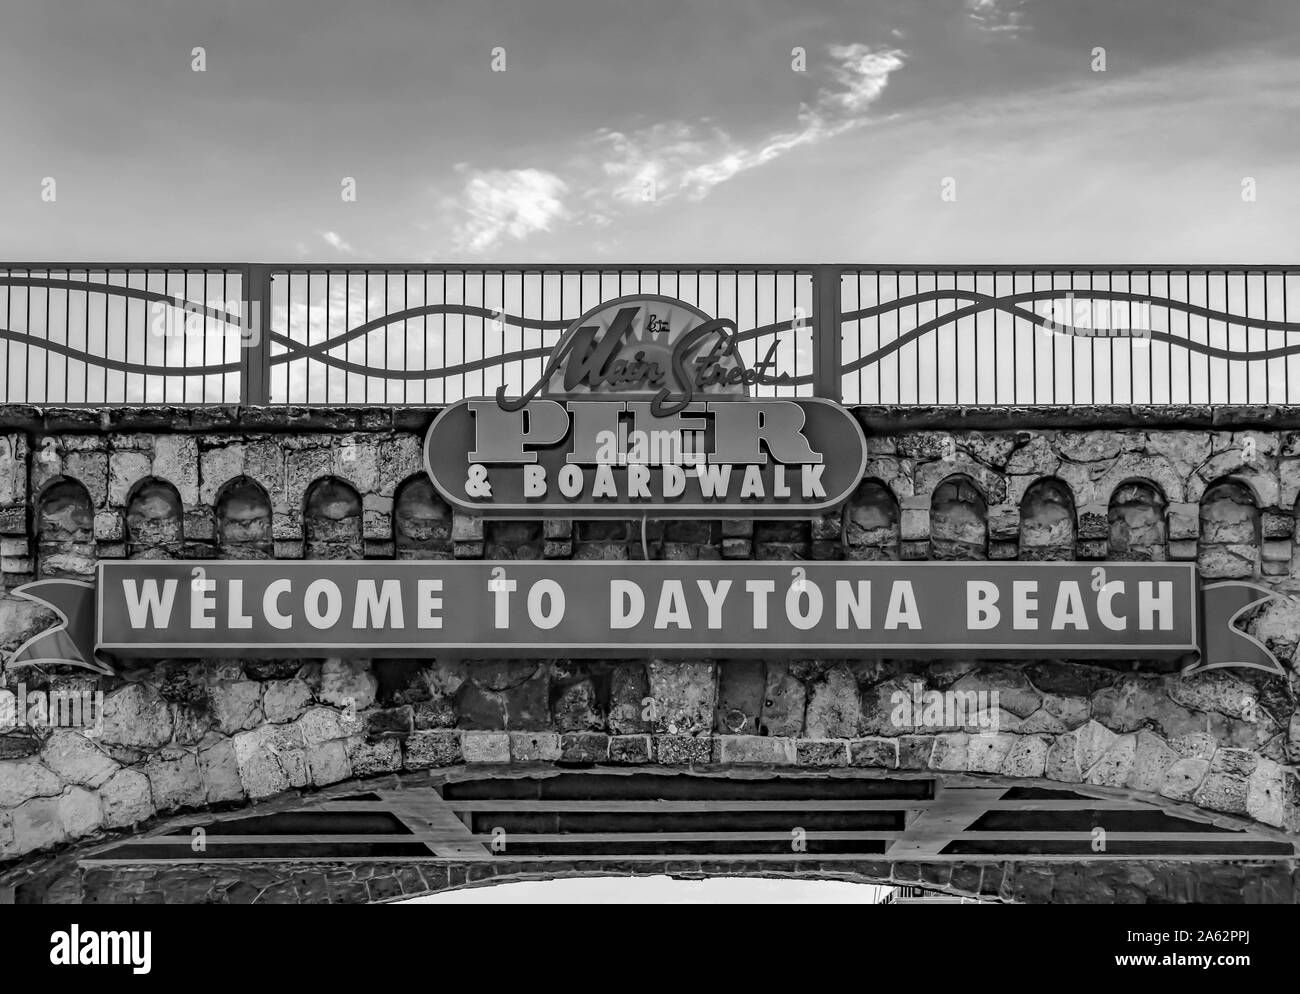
(197, 334)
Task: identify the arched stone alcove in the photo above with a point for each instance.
(1047, 522)
(243, 513)
(1137, 528)
(958, 520)
(332, 518)
(871, 526)
(421, 521)
(154, 521)
(1229, 545)
(65, 530)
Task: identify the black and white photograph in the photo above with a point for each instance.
(729, 452)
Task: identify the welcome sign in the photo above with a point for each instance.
(274, 609)
(644, 407)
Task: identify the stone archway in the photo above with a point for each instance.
(430, 832)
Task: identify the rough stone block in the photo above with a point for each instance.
(1183, 778)
(821, 752)
(368, 758)
(1184, 521)
(466, 528)
(126, 799)
(1027, 757)
(874, 752)
(914, 525)
(754, 750)
(630, 749)
(1222, 792)
(109, 526)
(125, 470)
(328, 763)
(584, 747)
(683, 750)
(485, 747)
(534, 747)
(423, 750)
(219, 769)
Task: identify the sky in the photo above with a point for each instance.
(674, 131)
(662, 890)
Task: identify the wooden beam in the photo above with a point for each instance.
(432, 837)
(953, 810)
(424, 811)
(653, 806)
(650, 806)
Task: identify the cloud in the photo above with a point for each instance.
(660, 162)
(674, 158)
(507, 203)
(997, 15)
(336, 242)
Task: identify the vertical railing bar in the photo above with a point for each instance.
(406, 332)
(1074, 355)
(103, 369)
(1286, 360)
(1187, 292)
(1033, 347)
(916, 345)
(776, 280)
(165, 365)
(1169, 348)
(49, 332)
(1051, 350)
(85, 366)
(67, 336)
(1092, 351)
(27, 327)
(242, 340)
(4, 369)
(1245, 307)
(1227, 337)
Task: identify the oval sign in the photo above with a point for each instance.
(644, 408)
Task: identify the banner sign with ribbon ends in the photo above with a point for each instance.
(273, 609)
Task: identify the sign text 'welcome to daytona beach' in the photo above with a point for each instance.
(616, 608)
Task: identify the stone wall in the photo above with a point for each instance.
(77, 486)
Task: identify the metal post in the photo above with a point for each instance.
(827, 334)
(255, 369)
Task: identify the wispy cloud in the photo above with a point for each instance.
(1003, 16)
(507, 203)
(674, 159)
(664, 161)
(336, 241)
